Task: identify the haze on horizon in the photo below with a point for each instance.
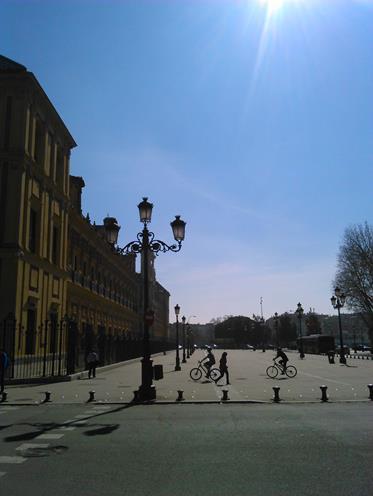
(251, 119)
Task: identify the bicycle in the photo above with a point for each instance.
(273, 370)
(196, 372)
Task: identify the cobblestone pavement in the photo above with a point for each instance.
(248, 378)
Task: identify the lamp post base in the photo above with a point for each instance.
(177, 368)
(146, 393)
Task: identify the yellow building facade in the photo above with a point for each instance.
(34, 201)
(57, 268)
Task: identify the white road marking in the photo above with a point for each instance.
(12, 459)
(103, 407)
(80, 422)
(27, 446)
(67, 428)
(50, 436)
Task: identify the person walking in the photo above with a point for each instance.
(223, 367)
(4, 364)
(92, 361)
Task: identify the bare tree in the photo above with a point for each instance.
(355, 271)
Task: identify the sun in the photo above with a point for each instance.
(273, 5)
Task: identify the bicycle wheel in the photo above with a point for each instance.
(214, 374)
(195, 374)
(291, 371)
(272, 371)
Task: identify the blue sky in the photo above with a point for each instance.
(254, 125)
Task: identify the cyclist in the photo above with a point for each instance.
(209, 361)
(284, 359)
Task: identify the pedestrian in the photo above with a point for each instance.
(92, 362)
(223, 367)
(4, 364)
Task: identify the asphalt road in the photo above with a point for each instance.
(187, 449)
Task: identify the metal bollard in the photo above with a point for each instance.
(180, 393)
(47, 396)
(370, 387)
(324, 396)
(276, 392)
(4, 396)
(225, 395)
(91, 396)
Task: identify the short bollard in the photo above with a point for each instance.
(324, 396)
(225, 395)
(136, 397)
(276, 392)
(91, 396)
(370, 387)
(180, 395)
(47, 396)
(4, 396)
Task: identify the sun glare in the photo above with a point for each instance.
(273, 5)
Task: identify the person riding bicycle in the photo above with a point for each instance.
(284, 359)
(209, 361)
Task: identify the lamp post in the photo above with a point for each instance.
(188, 333)
(299, 311)
(338, 300)
(183, 318)
(177, 362)
(276, 328)
(144, 244)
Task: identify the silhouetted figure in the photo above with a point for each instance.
(223, 367)
(209, 361)
(4, 364)
(92, 362)
(284, 359)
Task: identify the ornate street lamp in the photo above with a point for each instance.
(338, 300)
(276, 328)
(299, 311)
(183, 318)
(189, 332)
(177, 363)
(144, 244)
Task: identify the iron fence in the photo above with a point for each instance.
(60, 348)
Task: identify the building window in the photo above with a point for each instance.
(31, 331)
(39, 143)
(33, 229)
(53, 333)
(50, 155)
(60, 169)
(55, 245)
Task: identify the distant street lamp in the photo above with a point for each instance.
(177, 363)
(338, 300)
(276, 328)
(189, 332)
(144, 244)
(299, 311)
(183, 318)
